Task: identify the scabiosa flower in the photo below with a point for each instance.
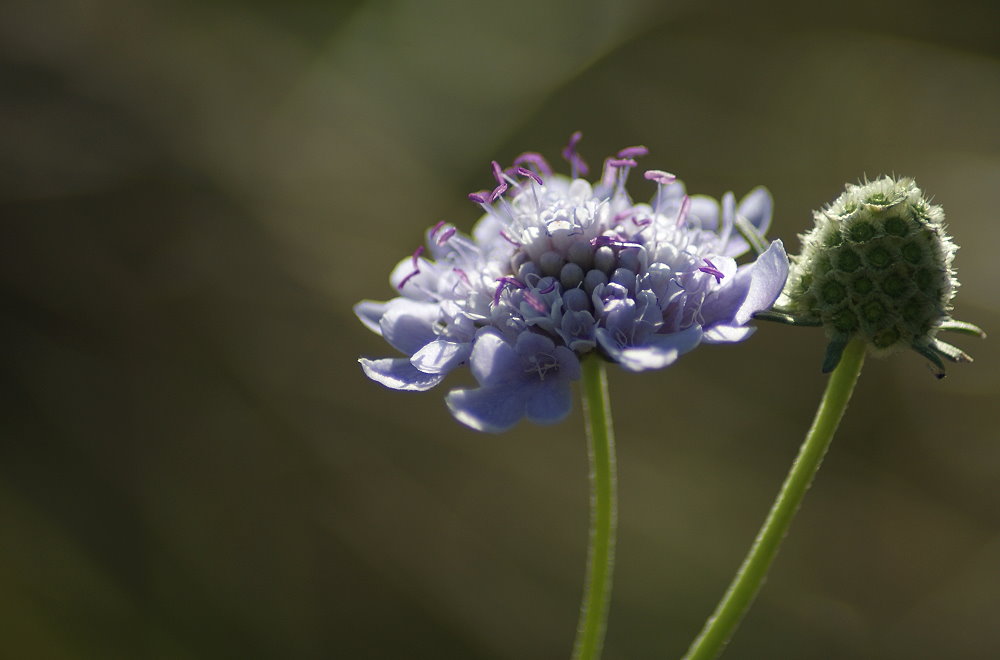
(877, 265)
(558, 268)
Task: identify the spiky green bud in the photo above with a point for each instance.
(877, 264)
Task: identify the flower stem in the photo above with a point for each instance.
(603, 510)
(747, 582)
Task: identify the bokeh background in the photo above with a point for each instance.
(193, 195)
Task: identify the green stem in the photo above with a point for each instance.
(744, 587)
(603, 510)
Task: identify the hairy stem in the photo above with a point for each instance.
(603, 510)
(747, 582)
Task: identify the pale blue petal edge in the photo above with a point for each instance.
(370, 312)
(399, 374)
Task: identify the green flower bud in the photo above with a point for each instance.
(877, 264)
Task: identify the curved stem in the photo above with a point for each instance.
(747, 582)
(603, 510)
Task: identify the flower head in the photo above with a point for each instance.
(878, 264)
(558, 268)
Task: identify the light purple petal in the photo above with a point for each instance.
(659, 350)
(399, 374)
(493, 409)
(415, 287)
(755, 287)
(735, 246)
(757, 206)
(725, 265)
(767, 280)
(370, 312)
(606, 340)
(726, 334)
(494, 361)
(441, 356)
(704, 212)
(723, 302)
(569, 364)
(409, 325)
(549, 402)
(728, 217)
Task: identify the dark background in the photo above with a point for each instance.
(193, 195)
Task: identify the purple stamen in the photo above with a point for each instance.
(497, 293)
(497, 171)
(535, 159)
(407, 279)
(481, 197)
(643, 222)
(551, 287)
(512, 281)
(712, 270)
(445, 235)
(463, 276)
(573, 141)
(499, 190)
(503, 283)
(511, 173)
(633, 152)
(507, 238)
(436, 228)
(682, 214)
(621, 162)
(608, 174)
(659, 176)
(578, 165)
(524, 171)
(535, 302)
(416, 267)
(662, 179)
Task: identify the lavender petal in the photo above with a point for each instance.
(370, 312)
(767, 280)
(492, 409)
(441, 356)
(493, 360)
(549, 402)
(408, 325)
(757, 206)
(658, 351)
(727, 334)
(399, 374)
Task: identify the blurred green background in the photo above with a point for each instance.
(194, 194)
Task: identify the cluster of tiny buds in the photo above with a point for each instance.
(580, 265)
(587, 263)
(877, 265)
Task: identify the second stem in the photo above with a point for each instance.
(747, 582)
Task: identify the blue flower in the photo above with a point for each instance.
(558, 268)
